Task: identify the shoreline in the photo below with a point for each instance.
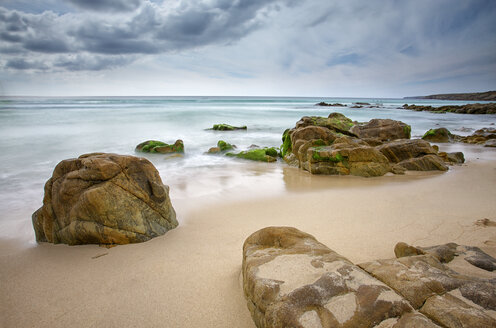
(190, 276)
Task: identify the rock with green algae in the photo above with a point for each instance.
(222, 146)
(227, 127)
(104, 199)
(261, 154)
(155, 146)
(438, 135)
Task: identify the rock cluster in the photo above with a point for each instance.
(104, 199)
(292, 280)
(222, 146)
(489, 108)
(337, 145)
(484, 136)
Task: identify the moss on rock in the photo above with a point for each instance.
(261, 155)
(227, 127)
(223, 146)
(155, 146)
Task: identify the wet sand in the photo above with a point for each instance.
(190, 276)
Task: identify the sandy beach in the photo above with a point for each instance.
(190, 277)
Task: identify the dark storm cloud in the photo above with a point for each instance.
(21, 64)
(107, 5)
(146, 28)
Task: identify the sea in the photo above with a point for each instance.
(36, 133)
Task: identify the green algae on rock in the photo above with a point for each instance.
(438, 135)
(261, 154)
(155, 146)
(227, 127)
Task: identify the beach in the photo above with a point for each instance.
(191, 275)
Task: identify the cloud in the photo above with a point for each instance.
(107, 5)
(143, 27)
(22, 64)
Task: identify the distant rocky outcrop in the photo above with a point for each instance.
(292, 280)
(474, 96)
(227, 127)
(337, 145)
(489, 108)
(322, 103)
(104, 199)
(154, 146)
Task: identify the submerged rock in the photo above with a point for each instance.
(322, 103)
(260, 154)
(222, 146)
(227, 127)
(154, 146)
(104, 199)
(292, 280)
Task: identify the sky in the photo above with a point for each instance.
(324, 48)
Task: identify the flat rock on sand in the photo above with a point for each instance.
(292, 280)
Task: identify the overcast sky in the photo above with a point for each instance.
(388, 48)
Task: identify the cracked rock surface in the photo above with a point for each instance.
(104, 198)
(292, 280)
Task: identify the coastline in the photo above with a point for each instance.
(190, 276)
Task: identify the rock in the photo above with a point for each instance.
(490, 143)
(292, 280)
(224, 145)
(450, 311)
(489, 108)
(403, 249)
(261, 155)
(413, 154)
(346, 156)
(362, 103)
(336, 145)
(452, 158)
(227, 127)
(438, 135)
(104, 199)
(335, 122)
(214, 150)
(449, 297)
(424, 163)
(154, 146)
(481, 137)
(322, 103)
(383, 129)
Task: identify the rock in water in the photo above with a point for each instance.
(104, 199)
(292, 280)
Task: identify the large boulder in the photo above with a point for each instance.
(383, 129)
(336, 122)
(292, 280)
(106, 199)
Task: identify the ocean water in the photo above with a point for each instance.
(37, 133)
